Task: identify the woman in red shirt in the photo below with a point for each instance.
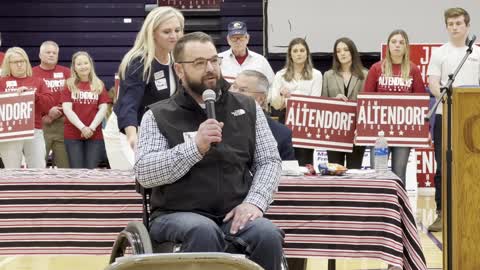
(396, 74)
(84, 103)
(16, 76)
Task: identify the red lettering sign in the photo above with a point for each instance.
(17, 116)
(400, 116)
(426, 167)
(320, 122)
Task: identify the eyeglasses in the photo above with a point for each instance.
(237, 38)
(235, 88)
(21, 62)
(201, 63)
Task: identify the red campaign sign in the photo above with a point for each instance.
(17, 116)
(400, 116)
(321, 122)
(426, 167)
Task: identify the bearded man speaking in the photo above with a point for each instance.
(211, 179)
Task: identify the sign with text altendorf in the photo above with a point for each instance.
(17, 116)
(320, 122)
(400, 116)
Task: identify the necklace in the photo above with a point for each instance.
(297, 76)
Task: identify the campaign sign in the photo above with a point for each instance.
(426, 167)
(17, 120)
(321, 122)
(400, 115)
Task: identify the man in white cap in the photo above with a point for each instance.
(239, 57)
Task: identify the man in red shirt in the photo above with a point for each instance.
(54, 77)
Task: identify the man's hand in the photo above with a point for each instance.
(55, 112)
(435, 85)
(242, 214)
(47, 119)
(208, 132)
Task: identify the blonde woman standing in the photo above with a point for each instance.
(84, 102)
(146, 73)
(16, 76)
(396, 74)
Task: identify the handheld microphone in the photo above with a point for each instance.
(470, 41)
(209, 97)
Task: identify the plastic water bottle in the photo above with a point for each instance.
(381, 153)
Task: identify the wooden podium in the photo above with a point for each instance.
(461, 242)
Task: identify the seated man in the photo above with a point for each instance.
(211, 180)
(254, 84)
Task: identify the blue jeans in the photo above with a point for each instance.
(84, 153)
(399, 161)
(260, 239)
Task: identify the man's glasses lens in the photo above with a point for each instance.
(202, 63)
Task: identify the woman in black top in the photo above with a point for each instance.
(146, 71)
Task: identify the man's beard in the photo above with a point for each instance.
(199, 86)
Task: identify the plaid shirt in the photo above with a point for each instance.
(156, 164)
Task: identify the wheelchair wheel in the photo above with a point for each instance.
(143, 236)
(136, 236)
(284, 263)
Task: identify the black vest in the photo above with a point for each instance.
(222, 179)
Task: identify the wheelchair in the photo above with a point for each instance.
(136, 237)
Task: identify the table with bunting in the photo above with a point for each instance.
(65, 211)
